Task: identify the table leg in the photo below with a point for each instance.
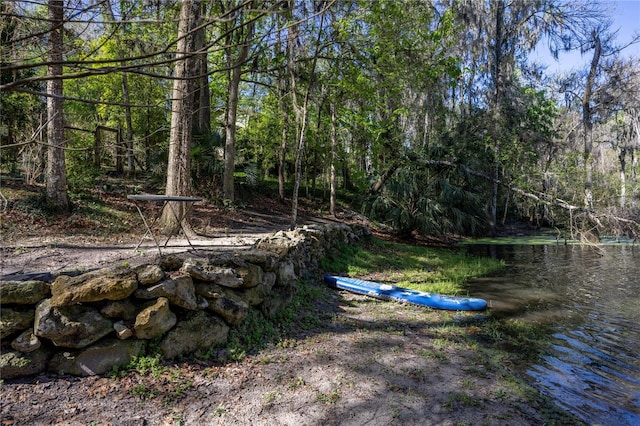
(149, 231)
(188, 207)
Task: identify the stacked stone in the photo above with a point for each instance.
(89, 323)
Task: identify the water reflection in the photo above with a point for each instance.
(592, 299)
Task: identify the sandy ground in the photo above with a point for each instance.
(357, 361)
(59, 254)
(350, 360)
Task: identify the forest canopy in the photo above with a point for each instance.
(430, 111)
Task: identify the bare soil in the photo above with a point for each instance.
(36, 242)
(350, 360)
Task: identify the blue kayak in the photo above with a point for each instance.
(391, 292)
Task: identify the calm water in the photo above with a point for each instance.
(591, 297)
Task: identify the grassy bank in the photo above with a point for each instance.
(501, 346)
(431, 269)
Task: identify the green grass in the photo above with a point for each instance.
(438, 270)
(258, 330)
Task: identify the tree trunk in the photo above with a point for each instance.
(384, 177)
(301, 112)
(236, 65)
(57, 197)
(493, 210)
(203, 94)
(179, 163)
(635, 146)
(588, 125)
(334, 149)
(131, 168)
(42, 151)
(282, 154)
(230, 131)
(119, 150)
(301, 118)
(301, 124)
(108, 11)
(499, 83)
(97, 148)
(622, 156)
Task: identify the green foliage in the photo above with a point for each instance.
(346, 257)
(206, 163)
(457, 399)
(402, 77)
(429, 201)
(250, 336)
(258, 330)
(81, 177)
(148, 364)
(143, 392)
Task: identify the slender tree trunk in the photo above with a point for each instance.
(231, 113)
(301, 124)
(499, 83)
(301, 118)
(179, 164)
(42, 151)
(385, 176)
(147, 134)
(332, 166)
(203, 94)
(57, 197)
(282, 155)
(301, 112)
(108, 11)
(119, 155)
(588, 125)
(635, 146)
(230, 131)
(131, 168)
(282, 105)
(622, 156)
(634, 179)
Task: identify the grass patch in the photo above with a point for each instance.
(523, 341)
(430, 269)
(144, 365)
(270, 398)
(258, 330)
(460, 399)
(329, 398)
(251, 335)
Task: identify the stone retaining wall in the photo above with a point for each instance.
(89, 323)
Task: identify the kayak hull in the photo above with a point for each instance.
(400, 294)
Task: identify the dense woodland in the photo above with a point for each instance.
(429, 110)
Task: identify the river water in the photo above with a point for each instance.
(591, 298)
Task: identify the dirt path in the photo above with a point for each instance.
(59, 254)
